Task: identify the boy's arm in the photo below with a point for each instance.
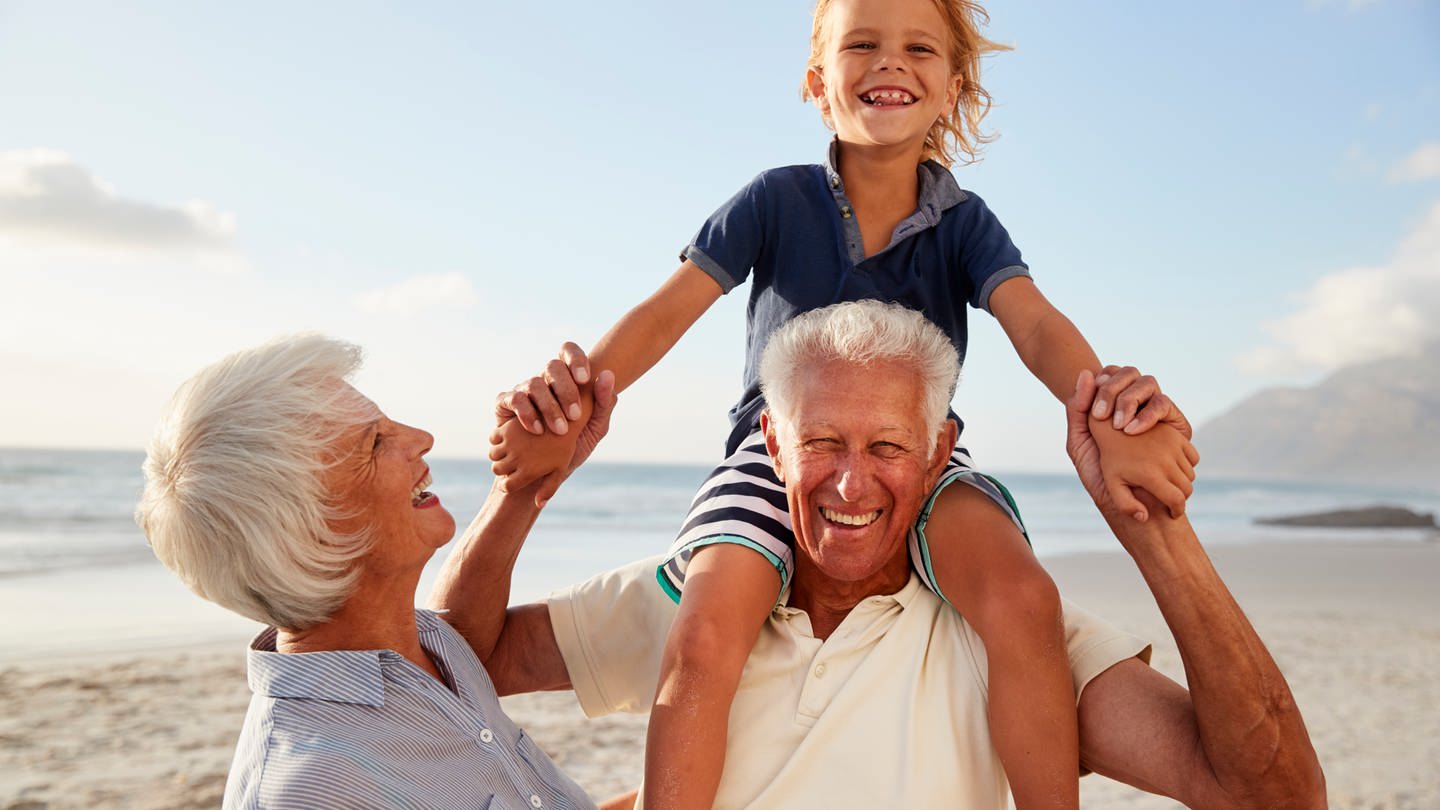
(522, 450)
(1161, 461)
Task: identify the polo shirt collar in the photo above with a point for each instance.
(903, 597)
(338, 676)
(938, 189)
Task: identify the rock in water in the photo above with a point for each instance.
(1369, 517)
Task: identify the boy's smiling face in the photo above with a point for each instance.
(886, 77)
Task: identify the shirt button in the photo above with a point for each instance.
(820, 671)
(844, 212)
(486, 735)
(535, 801)
(834, 182)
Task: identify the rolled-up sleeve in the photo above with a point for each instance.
(611, 632)
(1095, 645)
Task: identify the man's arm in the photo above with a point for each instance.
(1236, 739)
(474, 584)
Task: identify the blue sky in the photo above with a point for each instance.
(1229, 195)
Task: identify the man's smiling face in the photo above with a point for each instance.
(857, 460)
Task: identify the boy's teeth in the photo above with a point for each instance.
(890, 97)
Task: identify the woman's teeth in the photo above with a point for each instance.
(418, 492)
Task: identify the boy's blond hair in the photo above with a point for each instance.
(957, 135)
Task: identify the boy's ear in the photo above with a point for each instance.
(815, 84)
(952, 93)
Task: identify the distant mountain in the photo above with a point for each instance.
(1377, 421)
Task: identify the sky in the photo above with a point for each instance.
(1228, 195)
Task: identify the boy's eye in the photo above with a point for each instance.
(922, 49)
(860, 46)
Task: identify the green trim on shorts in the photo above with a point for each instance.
(674, 593)
(923, 544)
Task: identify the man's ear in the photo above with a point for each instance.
(944, 444)
(772, 444)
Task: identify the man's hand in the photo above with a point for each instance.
(1134, 403)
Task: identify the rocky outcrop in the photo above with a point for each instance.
(1369, 517)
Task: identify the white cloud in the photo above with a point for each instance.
(1361, 313)
(1422, 164)
(46, 198)
(418, 295)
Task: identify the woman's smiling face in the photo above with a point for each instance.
(379, 480)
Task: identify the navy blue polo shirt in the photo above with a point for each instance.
(795, 230)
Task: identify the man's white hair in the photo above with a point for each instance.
(235, 502)
(862, 333)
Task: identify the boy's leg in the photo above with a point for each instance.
(983, 565)
(729, 590)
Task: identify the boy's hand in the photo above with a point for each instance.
(522, 450)
(1159, 461)
(1134, 403)
(519, 458)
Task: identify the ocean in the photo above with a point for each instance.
(75, 571)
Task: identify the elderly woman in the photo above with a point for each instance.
(275, 489)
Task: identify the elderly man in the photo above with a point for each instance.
(864, 690)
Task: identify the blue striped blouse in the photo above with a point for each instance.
(368, 728)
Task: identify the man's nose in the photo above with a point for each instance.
(854, 480)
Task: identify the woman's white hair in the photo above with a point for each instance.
(235, 502)
(863, 333)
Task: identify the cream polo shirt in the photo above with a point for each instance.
(887, 712)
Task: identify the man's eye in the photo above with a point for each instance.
(887, 449)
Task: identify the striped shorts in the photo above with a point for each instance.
(743, 502)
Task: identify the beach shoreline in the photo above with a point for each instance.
(1355, 628)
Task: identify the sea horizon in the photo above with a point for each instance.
(72, 556)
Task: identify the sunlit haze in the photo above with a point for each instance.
(1229, 195)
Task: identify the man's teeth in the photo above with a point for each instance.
(420, 488)
(886, 97)
(849, 520)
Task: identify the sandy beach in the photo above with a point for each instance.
(1355, 627)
